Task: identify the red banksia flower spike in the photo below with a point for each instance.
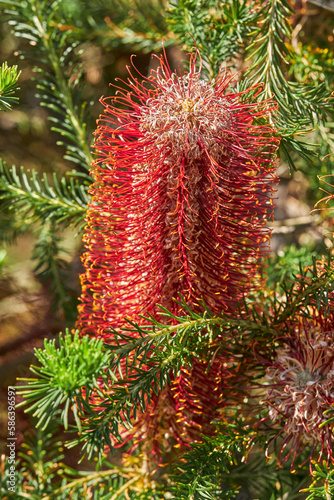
(186, 409)
(184, 171)
(182, 193)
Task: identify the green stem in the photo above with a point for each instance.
(296, 303)
(268, 67)
(17, 192)
(91, 477)
(125, 487)
(62, 83)
(168, 330)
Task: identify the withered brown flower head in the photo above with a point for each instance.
(302, 389)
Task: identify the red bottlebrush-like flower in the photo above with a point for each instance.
(182, 194)
(302, 389)
(185, 411)
(183, 182)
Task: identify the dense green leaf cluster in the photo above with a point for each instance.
(225, 466)
(45, 475)
(65, 371)
(299, 103)
(220, 31)
(136, 24)
(61, 204)
(56, 56)
(8, 86)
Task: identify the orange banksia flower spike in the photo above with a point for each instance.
(183, 183)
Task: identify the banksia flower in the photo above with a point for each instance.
(185, 411)
(301, 390)
(183, 181)
(184, 175)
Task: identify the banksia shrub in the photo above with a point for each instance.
(184, 175)
(176, 314)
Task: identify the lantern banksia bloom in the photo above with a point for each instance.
(301, 390)
(184, 175)
(183, 181)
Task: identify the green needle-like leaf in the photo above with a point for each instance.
(8, 86)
